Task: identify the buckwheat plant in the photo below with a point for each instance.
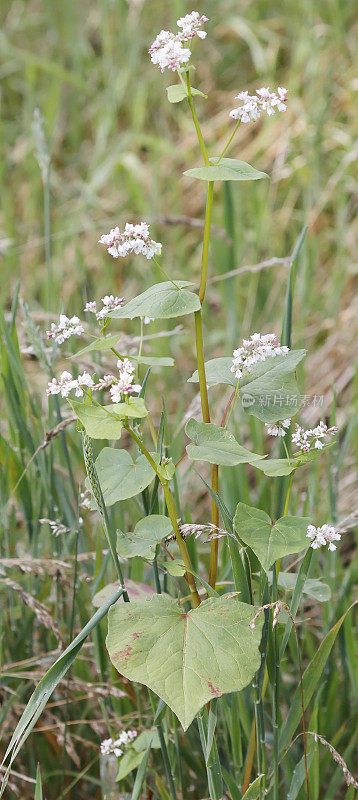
(204, 645)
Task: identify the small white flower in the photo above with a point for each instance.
(121, 385)
(91, 306)
(263, 101)
(312, 437)
(256, 349)
(114, 746)
(110, 747)
(278, 429)
(319, 537)
(147, 320)
(191, 24)
(134, 239)
(65, 328)
(67, 383)
(168, 50)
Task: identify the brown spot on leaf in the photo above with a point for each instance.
(214, 690)
(124, 654)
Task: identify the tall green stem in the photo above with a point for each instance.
(196, 122)
(276, 648)
(172, 511)
(199, 334)
(276, 695)
(173, 514)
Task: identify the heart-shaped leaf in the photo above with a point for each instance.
(269, 392)
(161, 301)
(312, 587)
(177, 92)
(273, 467)
(145, 537)
(229, 169)
(216, 445)
(186, 658)
(270, 542)
(121, 477)
(106, 422)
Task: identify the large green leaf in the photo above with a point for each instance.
(229, 169)
(186, 658)
(120, 476)
(161, 301)
(269, 392)
(270, 542)
(177, 92)
(311, 677)
(106, 422)
(145, 537)
(216, 445)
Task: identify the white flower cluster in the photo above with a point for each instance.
(313, 437)
(253, 350)
(114, 746)
(123, 385)
(263, 101)
(168, 49)
(134, 239)
(110, 303)
(67, 383)
(278, 428)
(319, 537)
(191, 25)
(65, 328)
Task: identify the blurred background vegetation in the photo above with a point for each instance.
(114, 150)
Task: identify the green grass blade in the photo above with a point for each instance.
(311, 678)
(48, 683)
(38, 787)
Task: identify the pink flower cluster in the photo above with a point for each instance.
(253, 350)
(263, 101)
(134, 239)
(65, 328)
(168, 51)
